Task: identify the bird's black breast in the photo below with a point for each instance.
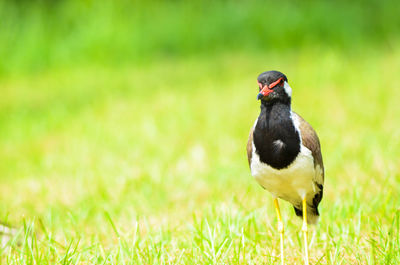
(276, 140)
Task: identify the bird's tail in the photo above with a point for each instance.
(312, 214)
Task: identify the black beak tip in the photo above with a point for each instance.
(260, 96)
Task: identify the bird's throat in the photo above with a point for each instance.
(276, 139)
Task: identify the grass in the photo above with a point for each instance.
(147, 165)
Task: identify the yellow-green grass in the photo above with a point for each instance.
(147, 165)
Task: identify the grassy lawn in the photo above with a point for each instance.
(146, 164)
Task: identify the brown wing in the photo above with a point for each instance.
(250, 145)
(310, 140)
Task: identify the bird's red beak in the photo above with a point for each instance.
(267, 89)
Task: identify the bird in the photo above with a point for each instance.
(284, 154)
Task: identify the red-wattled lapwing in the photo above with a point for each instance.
(284, 154)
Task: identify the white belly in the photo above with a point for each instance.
(292, 183)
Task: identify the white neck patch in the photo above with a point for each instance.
(287, 88)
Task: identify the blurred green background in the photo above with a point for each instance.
(37, 35)
(123, 127)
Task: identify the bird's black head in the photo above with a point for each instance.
(273, 87)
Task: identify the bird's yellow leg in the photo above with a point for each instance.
(305, 230)
(280, 228)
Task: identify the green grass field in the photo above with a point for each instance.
(146, 164)
(123, 129)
